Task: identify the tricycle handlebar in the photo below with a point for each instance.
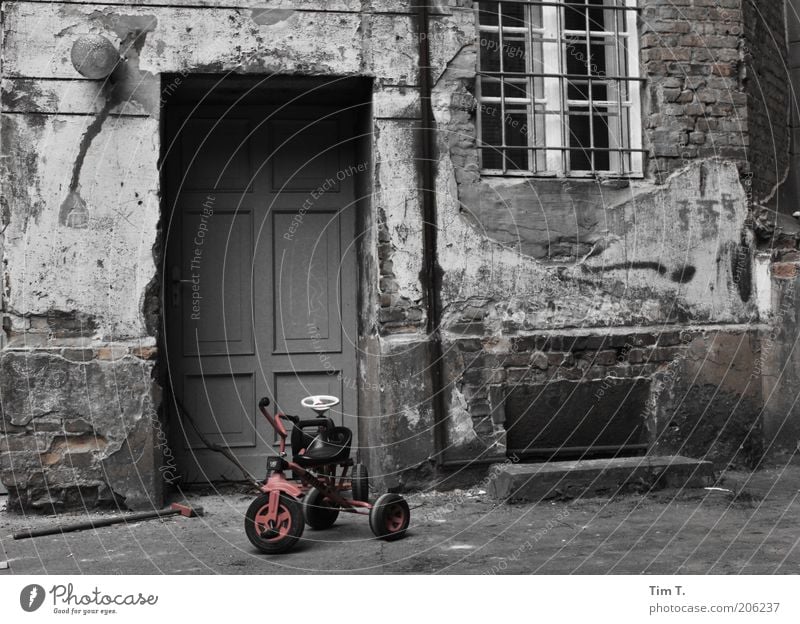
(275, 421)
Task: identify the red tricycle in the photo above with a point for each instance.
(275, 520)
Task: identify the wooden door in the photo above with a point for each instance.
(260, 291)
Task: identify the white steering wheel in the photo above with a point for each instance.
(320, 403)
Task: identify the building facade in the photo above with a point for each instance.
(532, 229)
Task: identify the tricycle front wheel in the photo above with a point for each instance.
(280, 535)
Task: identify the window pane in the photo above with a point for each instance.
(535, 15)
(513, 14)
(487, 13)
(578, 90)
(491, 134)
(490, 87)
(490, 51)
(579, 138)
(516, 123)
(577, 59)
(599, 55)
(600, 121)
(585, 134)
(574, 18)
(596, 15)
(537, 139)
(491, 158)
(515, 89)
(514, 54)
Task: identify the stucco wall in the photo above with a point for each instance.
(81, 212)
(530, 268)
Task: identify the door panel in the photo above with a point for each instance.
(306, 156)
(261, 274)
(220, 405)
(228, 137)
(307, 311)
(291, 386)
(218, 293)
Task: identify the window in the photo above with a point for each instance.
(558, 87)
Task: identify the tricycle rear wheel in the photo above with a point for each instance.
(389, 517)
(277, 537)
(319, 513)
(360, 483)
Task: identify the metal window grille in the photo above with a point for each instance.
(558, 88)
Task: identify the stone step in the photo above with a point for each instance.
(595, 477)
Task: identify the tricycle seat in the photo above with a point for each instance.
(330, 446)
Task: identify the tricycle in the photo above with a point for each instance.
(317, 491)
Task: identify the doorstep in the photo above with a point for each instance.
(596, 477)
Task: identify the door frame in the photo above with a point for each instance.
(359, 99)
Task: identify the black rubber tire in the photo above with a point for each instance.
(389, 517)
(320, 514)
(290, 524)
(360, 483)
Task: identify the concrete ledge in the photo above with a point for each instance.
(595, 477)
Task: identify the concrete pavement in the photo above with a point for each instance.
(748, 525)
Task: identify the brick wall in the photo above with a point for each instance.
(693, 391)
(697, 106)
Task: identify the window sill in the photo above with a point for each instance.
(577, 175)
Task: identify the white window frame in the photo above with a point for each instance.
(554, 93)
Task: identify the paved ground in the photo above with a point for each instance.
(749, 526)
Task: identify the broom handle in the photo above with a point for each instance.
(94, 524)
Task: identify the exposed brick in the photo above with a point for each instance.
(784, 270)
(540, 360)
(78, 355)
(606, 358)
(145, 353)
(565, 360)
(664, 354)
(636, 356)
(668, 339)
(111, 353)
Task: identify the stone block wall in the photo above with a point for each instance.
(82, 430)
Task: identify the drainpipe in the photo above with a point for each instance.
(431, 276)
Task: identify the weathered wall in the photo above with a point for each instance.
(780, 357)
(780, 362)
(572, 258)
(541, 279)
(791, 188)
(767, 84)
(82, 212)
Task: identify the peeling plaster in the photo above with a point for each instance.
(413, 417)
(269, 17)
(459, 422)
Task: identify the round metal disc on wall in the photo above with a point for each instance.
(94, 56)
